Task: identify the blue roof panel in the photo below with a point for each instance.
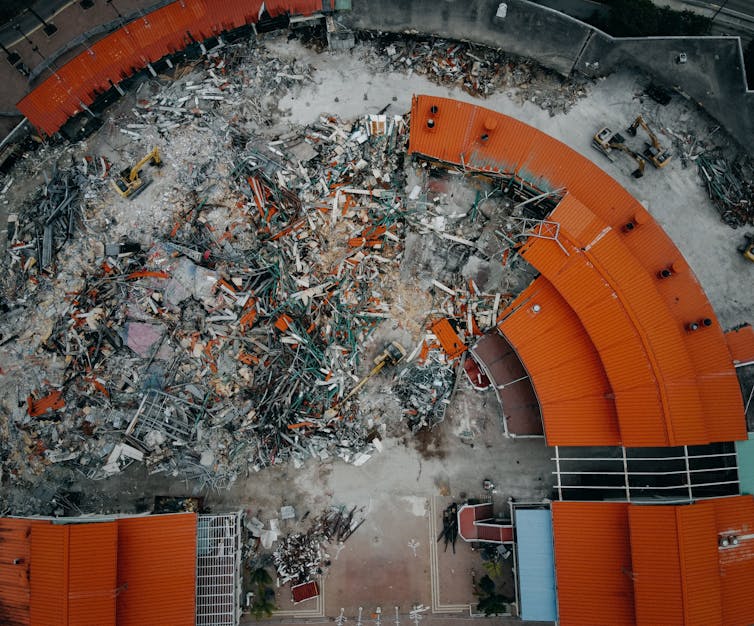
(536, 565)
(745, 450)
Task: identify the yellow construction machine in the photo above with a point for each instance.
(747, 250)
(128, 183)
(606, 142)
(391, 355)
(658, 156)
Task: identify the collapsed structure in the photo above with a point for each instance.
(621, 348)
(615, 339)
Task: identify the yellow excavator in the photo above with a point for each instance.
(658, 155)
(391, 355)
(605, 140)
(128, 183)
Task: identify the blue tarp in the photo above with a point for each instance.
(536, 565)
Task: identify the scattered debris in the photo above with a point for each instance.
(449, 532)
(729, 186)
(425, 391)
(300, 557)
(478, 70)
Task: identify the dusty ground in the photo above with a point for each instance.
(400, 487)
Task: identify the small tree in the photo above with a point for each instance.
(264, 598)
(260, 576)
(262, 606)
(491, 602)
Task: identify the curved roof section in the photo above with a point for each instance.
(669, 386)
(131, 48)
(564, 367)
(620, 563)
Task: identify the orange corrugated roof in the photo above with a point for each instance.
(70, 574)
(668, 383)
(157, 570)
(681, 574)
(674, 553)
(15, 556)
(741, 344)
(593, 563)
(620, 563)
(451, 343)
(73, 574)
(566, 372)
(129, 49)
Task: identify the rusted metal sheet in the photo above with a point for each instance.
(449, 340)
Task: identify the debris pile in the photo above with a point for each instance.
(300, 557)
(478, 70)
(230, 342)
(245, 78)
(449, 532)
(38, 232)
(729, 186)
(425, 391)
(215, 324)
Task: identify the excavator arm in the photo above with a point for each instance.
(128, 183)
(659, 156)
(153, 156)
(640, 161)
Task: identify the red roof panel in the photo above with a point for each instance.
(157, 570)
(15, 557)
(593, 563)
(73, 574)
(667, 382)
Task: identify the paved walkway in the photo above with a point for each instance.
(394, 561)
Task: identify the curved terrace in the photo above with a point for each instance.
(623, 287)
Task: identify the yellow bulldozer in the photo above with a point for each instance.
(128, 183)
(747, 249)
